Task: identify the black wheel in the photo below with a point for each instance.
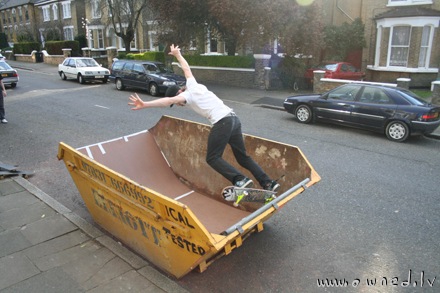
(397, 131)
(105, 80)
(304, 114)
(81, 79)
(154, 89)
(13, 85)
(119, 85)
(63, 76)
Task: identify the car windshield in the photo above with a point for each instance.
(5, 66)
(331, 67)
(162, 68)
(86, 63)
(412, 98)
(156, 68)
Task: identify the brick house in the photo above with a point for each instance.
(403, 37)
(17, 17)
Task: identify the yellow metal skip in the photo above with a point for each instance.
(173, 226)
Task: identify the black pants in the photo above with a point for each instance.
(228, 131)
(2, 106)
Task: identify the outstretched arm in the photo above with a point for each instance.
(175, 51)
(138, 104)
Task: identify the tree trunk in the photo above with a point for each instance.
(127, 42)
(231, 46)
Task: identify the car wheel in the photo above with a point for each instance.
(154, 89)
(119, 85)
(63, 76)
(13, 85)
(397, 131)
(304, 114)
(81, 79)
(105, 80)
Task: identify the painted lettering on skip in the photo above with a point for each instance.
(183, 243)
(125, 217)
(177, 216)
(120, 186)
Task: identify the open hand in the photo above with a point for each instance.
(136, 102)
(174, 50)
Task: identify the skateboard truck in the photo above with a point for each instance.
(245, 193)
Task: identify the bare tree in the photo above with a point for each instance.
(124, 16)
(241, 23)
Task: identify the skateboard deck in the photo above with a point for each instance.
(6, 167)
(11, 170)
(238, 194)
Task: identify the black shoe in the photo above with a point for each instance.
(272, 186)
(244, 183)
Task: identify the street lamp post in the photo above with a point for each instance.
(85, 25)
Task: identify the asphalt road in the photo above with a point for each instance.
(374, 215)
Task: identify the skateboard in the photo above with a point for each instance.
(11, 170)
(238, 194)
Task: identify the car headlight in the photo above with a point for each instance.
(169, 83)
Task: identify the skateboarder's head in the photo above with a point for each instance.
(172, 91)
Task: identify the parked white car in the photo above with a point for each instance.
(82, 69)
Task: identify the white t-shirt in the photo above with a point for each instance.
(204, 102)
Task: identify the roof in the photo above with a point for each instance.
(408, 12)
(5, 4)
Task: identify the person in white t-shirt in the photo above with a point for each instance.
(226, 126)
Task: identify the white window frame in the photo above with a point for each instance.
(96, 11)
(395, 48)
(382, 24)
(69, 32)
(67, 11)
(55, 11)
(46, 13)
(152, 38)
(97, 32)
(20, 14)
(426, 46)
(100, 37)
(14, 15)
(408, 2)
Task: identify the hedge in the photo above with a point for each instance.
(56, 47)
(197, 60)
(222, 61)
(26, 47)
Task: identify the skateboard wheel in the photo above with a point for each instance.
(235, 204)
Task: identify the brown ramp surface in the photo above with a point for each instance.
(139, 158)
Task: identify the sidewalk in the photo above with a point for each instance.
(44, 247)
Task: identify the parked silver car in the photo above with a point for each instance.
(9, 74)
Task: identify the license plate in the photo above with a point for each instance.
(99, 76)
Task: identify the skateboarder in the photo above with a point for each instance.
(226, 126)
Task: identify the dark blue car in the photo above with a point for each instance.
(151, 76)
(397, 112)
